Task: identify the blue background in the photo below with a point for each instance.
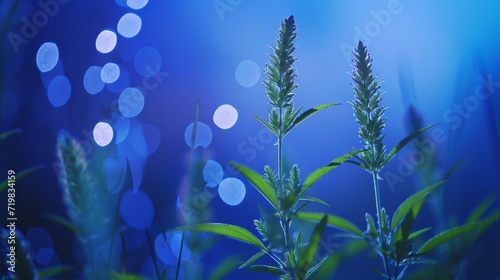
(429, 53)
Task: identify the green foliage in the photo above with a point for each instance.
(394, 238)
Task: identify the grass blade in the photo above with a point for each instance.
(333, 221)
(231, 231)
(403, 143)
(408, 204)
(307, 257)
(259, 183)
(322, 171)
(252, 259)
(269, 269)
(8, 133)
(309, 112)
(20, 175)
(450, 234)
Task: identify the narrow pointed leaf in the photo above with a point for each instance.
(481, 209)
(404, 142)
(450, 234)
(333, 221)
(418, 233)
(252, 259)
(266, 124)
(227, 230)
(408, 204)
(6, 134)
(318, 265)
(320, 172)
(314, 199)
(309, 112)
(307, 257)
(53, 271)
(258, 182)
(269, 269)
(224, 268)
(20, 175)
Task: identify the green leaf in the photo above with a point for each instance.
(481, 209)
(418, 233)
(320, 172)
(333, 221)
(408, 204)
(52, 271)
(252, 259)
(309, 112)
(266, 124)
(62, 221)
(450, 234)
(259, 183)
(318, 265)
(227, 230)
(268, 269)
(403, 143)
(370, 226)
(20, 175)
(124, 276)
(307, 257)
(314, 199)
(6, 134)
(222, 269)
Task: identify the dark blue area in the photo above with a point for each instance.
(441, 58)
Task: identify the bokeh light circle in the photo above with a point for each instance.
(247, 73)
(47, 57)
(103, 134)
(212, 173)
(110, 73)
(106, 41)
(225, 116)
(146, 139)
(137, 209)
(59, 91)
(131, 102)
(203, 135)
(147, 61)
(232, 191)
(137, 4)
(92, 81)
(129, 25)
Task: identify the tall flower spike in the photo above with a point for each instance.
(368, 110)
(280, 70)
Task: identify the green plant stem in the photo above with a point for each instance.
(180, 256)
(152, 251)
(381, 234)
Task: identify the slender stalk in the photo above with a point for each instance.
(180, 256)
(381, 234)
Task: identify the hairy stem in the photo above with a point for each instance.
(381, 235)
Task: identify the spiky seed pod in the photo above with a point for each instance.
(280, 71)
(368, 110)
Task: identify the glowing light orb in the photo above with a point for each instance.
(137, 4)
(59, 91)
(131, 102)
(103, 134)
(147, 61)
(42, 245)
(232, 191)
(129, 25)
(137, 209)
(247, 73)
(203, 135)
(212, 173)
(225, 116)
(47, 57)
(110, 73)
(106, 41)
(162, 249)
(92, 81)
